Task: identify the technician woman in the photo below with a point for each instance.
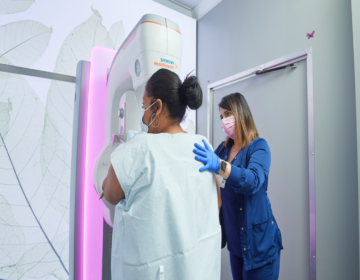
(166, 223)
(243, 164)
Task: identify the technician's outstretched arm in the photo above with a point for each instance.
(243, 180)
(112, 190)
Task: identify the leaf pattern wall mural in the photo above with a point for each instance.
(35, 161)
(5, 108)
(117, 34)
(12, 241)
(13, 6)
(31, 238)
(36, 140)
(77, 46)
(23, 42)
(57, 132)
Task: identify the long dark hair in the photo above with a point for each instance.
(245, 125)
(174, 94)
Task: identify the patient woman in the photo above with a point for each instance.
(166, 223)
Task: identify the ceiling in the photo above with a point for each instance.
(192, 8)
(189, 4)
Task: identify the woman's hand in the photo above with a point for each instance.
(207, 156)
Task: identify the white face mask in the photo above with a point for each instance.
(144, 127)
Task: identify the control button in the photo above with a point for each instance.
(121, 113)
(244, 249)
(240, 209)
(137, 68)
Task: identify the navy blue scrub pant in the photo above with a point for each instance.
(269, 271)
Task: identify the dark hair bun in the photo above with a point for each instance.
(191, 91)
(176, 96)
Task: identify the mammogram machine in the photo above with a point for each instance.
(108, 102)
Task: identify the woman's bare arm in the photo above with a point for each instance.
(218, 192)
(111, 188)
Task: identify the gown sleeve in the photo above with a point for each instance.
(133, 166)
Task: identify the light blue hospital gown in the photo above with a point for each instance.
(169, 216)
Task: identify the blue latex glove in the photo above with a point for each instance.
(207, 157)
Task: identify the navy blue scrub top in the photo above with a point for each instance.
(248, 225)
(231, 205)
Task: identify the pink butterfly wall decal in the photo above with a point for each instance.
(310, 35)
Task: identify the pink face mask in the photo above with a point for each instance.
(228, 126)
